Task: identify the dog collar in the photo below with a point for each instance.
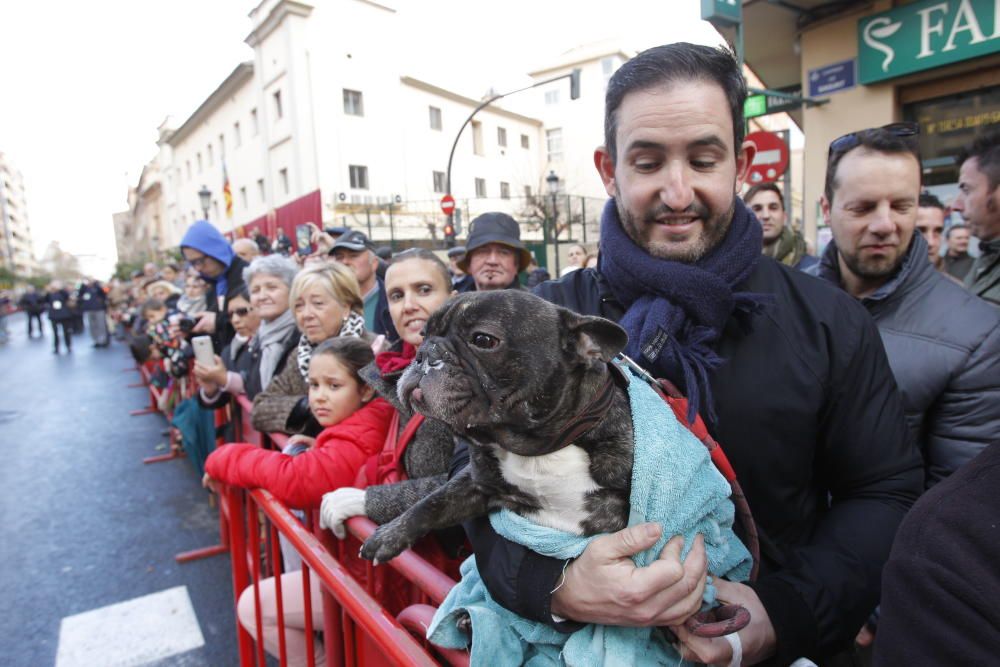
(592, 413)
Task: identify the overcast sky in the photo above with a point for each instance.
(83, 85)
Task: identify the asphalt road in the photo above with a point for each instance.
(84, 523)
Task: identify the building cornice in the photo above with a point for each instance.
(462, 99)
(238, 77)
(274, 19)
(570, 63)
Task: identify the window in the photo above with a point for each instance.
(237, 137)
(607, 68)
(502, 137)
(554, 143)
(477, 137)
(552, 96)
(359, 177)
(435, 118)
(527, 192)
(283, 177)
(525, 141)
(253, 122)
(211, 155)
(480, 187)
(278, 110)
(353, 103)
(187, 163)
(222, 146)
(504, 190)
(199, 162)
(215, 209)
(260, 188)
(439, 181)
(243, 197)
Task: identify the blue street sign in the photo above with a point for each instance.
(832, 78)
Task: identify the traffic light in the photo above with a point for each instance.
(574, 84)
(449, 235)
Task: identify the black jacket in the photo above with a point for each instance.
(941, 583)
(91, 298)
(251, 380)
(59, 306)
(224, 331)
(810, 417)
(236, 362)
(32, 303)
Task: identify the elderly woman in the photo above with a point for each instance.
(326, 302)
(269, 281)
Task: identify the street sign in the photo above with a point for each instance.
(921, 35)
(763, 104)
(447, 204)
(771, 160)
(831, 78)
(722, 12)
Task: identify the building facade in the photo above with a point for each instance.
(16, 251)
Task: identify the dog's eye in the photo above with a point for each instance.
(484, 341)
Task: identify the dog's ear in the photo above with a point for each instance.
(592, 338)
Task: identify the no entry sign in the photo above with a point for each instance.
(447, 204)
(771, 160)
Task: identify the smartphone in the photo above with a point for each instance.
(204, 354)
(303, 236)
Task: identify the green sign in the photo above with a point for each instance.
(927, 34)
(762, 105)
(724, 12)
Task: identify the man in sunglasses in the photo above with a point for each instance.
(815, 432)
(210, 254)
(979, 203)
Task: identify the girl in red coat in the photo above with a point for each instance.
(355, 428)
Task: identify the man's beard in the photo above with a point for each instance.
(872, 269)
(713, 230)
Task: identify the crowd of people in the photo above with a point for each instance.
(842, 386)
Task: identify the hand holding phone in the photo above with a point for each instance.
(203, 352)
(303, 237)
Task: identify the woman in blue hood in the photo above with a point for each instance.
(210, 254)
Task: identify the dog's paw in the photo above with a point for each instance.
(464, 623)
(386, 543)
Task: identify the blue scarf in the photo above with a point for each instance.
(677, 311)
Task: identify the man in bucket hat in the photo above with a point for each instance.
(494, 254)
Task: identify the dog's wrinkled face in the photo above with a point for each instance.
(504, 360)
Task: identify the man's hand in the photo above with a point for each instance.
(604, 585)
(339, 506)
(865, 636)
(205, 323)
(757, 638)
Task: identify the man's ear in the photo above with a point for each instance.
(744, 159)
(824, 205)
(593, 339)
(606, 169)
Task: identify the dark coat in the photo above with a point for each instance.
(235, 363)
(810, 417)
(58, 306)
(983, 278)
(251, 381)
(224, 331)
(941, 583)
(91, 298)
(943, 345)
(32, 303)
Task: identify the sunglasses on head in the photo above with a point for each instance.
(853, 139)
(242, 312)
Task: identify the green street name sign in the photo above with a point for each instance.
(724, 12)
(926, 34)
(762, 105)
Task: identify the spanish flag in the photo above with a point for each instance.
(227, 192)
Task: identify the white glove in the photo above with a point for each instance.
(339, 506)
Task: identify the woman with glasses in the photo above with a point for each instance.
(326, 303)
(228, 375)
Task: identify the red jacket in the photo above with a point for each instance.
(300, 481)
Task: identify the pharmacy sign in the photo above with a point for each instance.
(927, 34)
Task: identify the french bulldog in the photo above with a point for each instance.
(512, 374)
(528, 385)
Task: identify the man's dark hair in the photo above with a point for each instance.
(957, 225)
(928, 200)
(875, 139)
(764, 187)
(986, 150)
(676, 62)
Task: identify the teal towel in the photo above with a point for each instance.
(197, 427)
(674, 483)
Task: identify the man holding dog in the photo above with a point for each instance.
(816, 434)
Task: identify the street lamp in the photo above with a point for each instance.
(205, 197)
(553, 182)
